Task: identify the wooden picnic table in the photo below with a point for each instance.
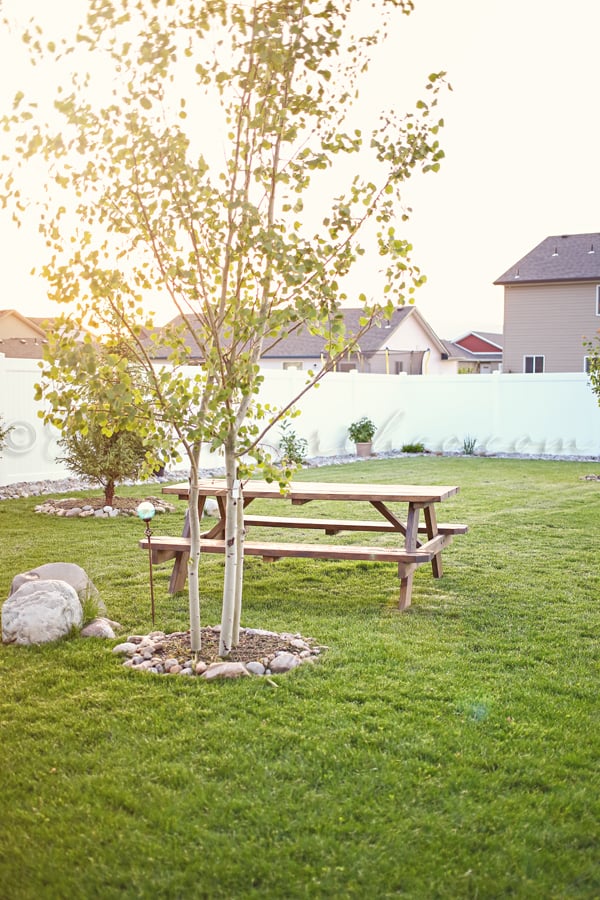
(422, 542)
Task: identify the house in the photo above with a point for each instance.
(405, 343)
(479, 351)
(552, 304)
(20, 336)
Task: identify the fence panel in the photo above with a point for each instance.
(531, 414)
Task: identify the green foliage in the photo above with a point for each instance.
(469, 444)
(593, 351)
(416, 447)
(362, 430)
(105, 459)
(222, 236)
(4, 432)
(293, 449)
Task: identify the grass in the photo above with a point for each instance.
(449, 751)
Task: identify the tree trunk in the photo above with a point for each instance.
(226, 642)
(109, 492)
(239, 572)
(194, 558)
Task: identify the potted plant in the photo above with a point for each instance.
(361, 432)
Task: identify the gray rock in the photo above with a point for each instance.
(127, 647)
(225, 670)
(60, 571)
(283, 662)
(40, 611)
(100, 628)
(255, 668)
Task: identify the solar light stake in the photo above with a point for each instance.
(146, 513)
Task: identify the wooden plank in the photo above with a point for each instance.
(271, 550)
(303, 491)
(333, 526)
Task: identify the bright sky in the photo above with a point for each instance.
(521, 140)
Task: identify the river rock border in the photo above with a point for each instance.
(158, 653)
(72, 507)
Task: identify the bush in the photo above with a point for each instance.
(3, 434)
(103, 459)
(293, 449)
(469, 444)
(413, 448)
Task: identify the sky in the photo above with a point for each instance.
(521, 141)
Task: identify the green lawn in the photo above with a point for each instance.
(449, 751)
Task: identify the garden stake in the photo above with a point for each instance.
(146, 513)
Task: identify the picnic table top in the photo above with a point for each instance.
(313, 490)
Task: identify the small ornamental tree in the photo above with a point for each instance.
(105, 459)
(250, 244)
(88, 385)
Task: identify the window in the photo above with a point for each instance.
(586, 364)
(292, 365)
(533, 365)
(598, 299)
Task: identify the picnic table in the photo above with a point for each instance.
(421, 541)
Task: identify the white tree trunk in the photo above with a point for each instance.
(226, 642)
(239, 572)
(194, 558)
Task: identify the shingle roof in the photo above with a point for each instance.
(567, 257)
(22, 348)
(304, 345)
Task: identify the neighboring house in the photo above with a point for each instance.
(479, 351)
(21, 337)
(405, 343)
(552, 304)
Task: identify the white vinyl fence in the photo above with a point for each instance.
(529, 414)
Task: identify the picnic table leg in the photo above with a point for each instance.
(406, 571)
(432, 531)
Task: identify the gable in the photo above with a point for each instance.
(477, 343)
(13, 325)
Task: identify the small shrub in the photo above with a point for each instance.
(3, 434)
(417, 447)
(104, 459)
(362, 431)
(469, 444)
(293, 449)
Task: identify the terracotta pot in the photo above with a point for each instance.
(364, 449)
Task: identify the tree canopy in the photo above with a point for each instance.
(248, 243)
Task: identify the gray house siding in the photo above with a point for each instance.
(549, 320)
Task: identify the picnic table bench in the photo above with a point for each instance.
(412, 553)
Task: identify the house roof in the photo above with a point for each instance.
(34, 323)
(494, 340)
(22, 348)
(303, 345)
(566, 257)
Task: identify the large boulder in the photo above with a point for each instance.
(40, 611)
(61, 571)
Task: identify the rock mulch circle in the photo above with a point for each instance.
(259, 652)
(82, 508)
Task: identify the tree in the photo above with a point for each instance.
(593, 351)
(4, 431)
(230, 242)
